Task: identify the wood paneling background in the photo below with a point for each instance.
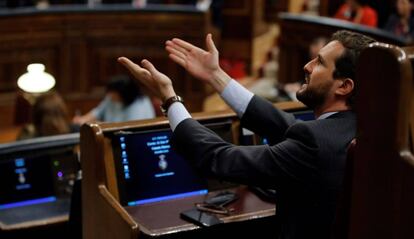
(79, 46)
(243, 21)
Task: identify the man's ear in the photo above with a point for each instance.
(346, 86)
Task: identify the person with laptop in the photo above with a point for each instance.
(304, 161)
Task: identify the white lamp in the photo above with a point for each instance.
(36, 80)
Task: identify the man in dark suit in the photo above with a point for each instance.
(304, 161)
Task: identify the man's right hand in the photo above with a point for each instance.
(202, 64)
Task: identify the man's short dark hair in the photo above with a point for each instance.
(345, 65)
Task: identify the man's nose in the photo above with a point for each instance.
(308, 67)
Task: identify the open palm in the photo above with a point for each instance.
(158, 83)
(198, 62)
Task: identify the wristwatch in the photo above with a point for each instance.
(168, 102)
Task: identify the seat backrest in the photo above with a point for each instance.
(341, 223)
(410, 53)
(382, 184)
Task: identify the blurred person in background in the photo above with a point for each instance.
(49, 117)
(123, 102)
(357, 11)
(401, 23)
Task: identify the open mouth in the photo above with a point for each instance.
(307, 79)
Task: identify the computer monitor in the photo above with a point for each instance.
(37, 178)
(304, 115)
(148, 170)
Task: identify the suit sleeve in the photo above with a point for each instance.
(289, 162)
(265, 120)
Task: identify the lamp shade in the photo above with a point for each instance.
(36, 80)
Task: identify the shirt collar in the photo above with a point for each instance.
(326, 115)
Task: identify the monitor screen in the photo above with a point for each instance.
(304, 115)
(149, 170)
(25, 181)
(35, 175)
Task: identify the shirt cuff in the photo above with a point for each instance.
(237, 97)
(177, 113)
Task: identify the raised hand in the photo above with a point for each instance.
(158, 83)
(202, 64)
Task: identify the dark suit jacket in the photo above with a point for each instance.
(305, 162)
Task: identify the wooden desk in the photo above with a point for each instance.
(160, 219)
(103, 216)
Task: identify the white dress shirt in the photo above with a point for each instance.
(234, 94)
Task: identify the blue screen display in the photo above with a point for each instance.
(35, 176)
(150, 171)
(304, 115)
(26, 181)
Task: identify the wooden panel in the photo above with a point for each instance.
(274, 7)
(79, 46)
(9, 135)
(242, 22)
(119, 223)
(7, 109)
(383, 169)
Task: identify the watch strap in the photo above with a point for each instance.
(168, 102)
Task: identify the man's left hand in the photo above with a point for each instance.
(158, 83)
